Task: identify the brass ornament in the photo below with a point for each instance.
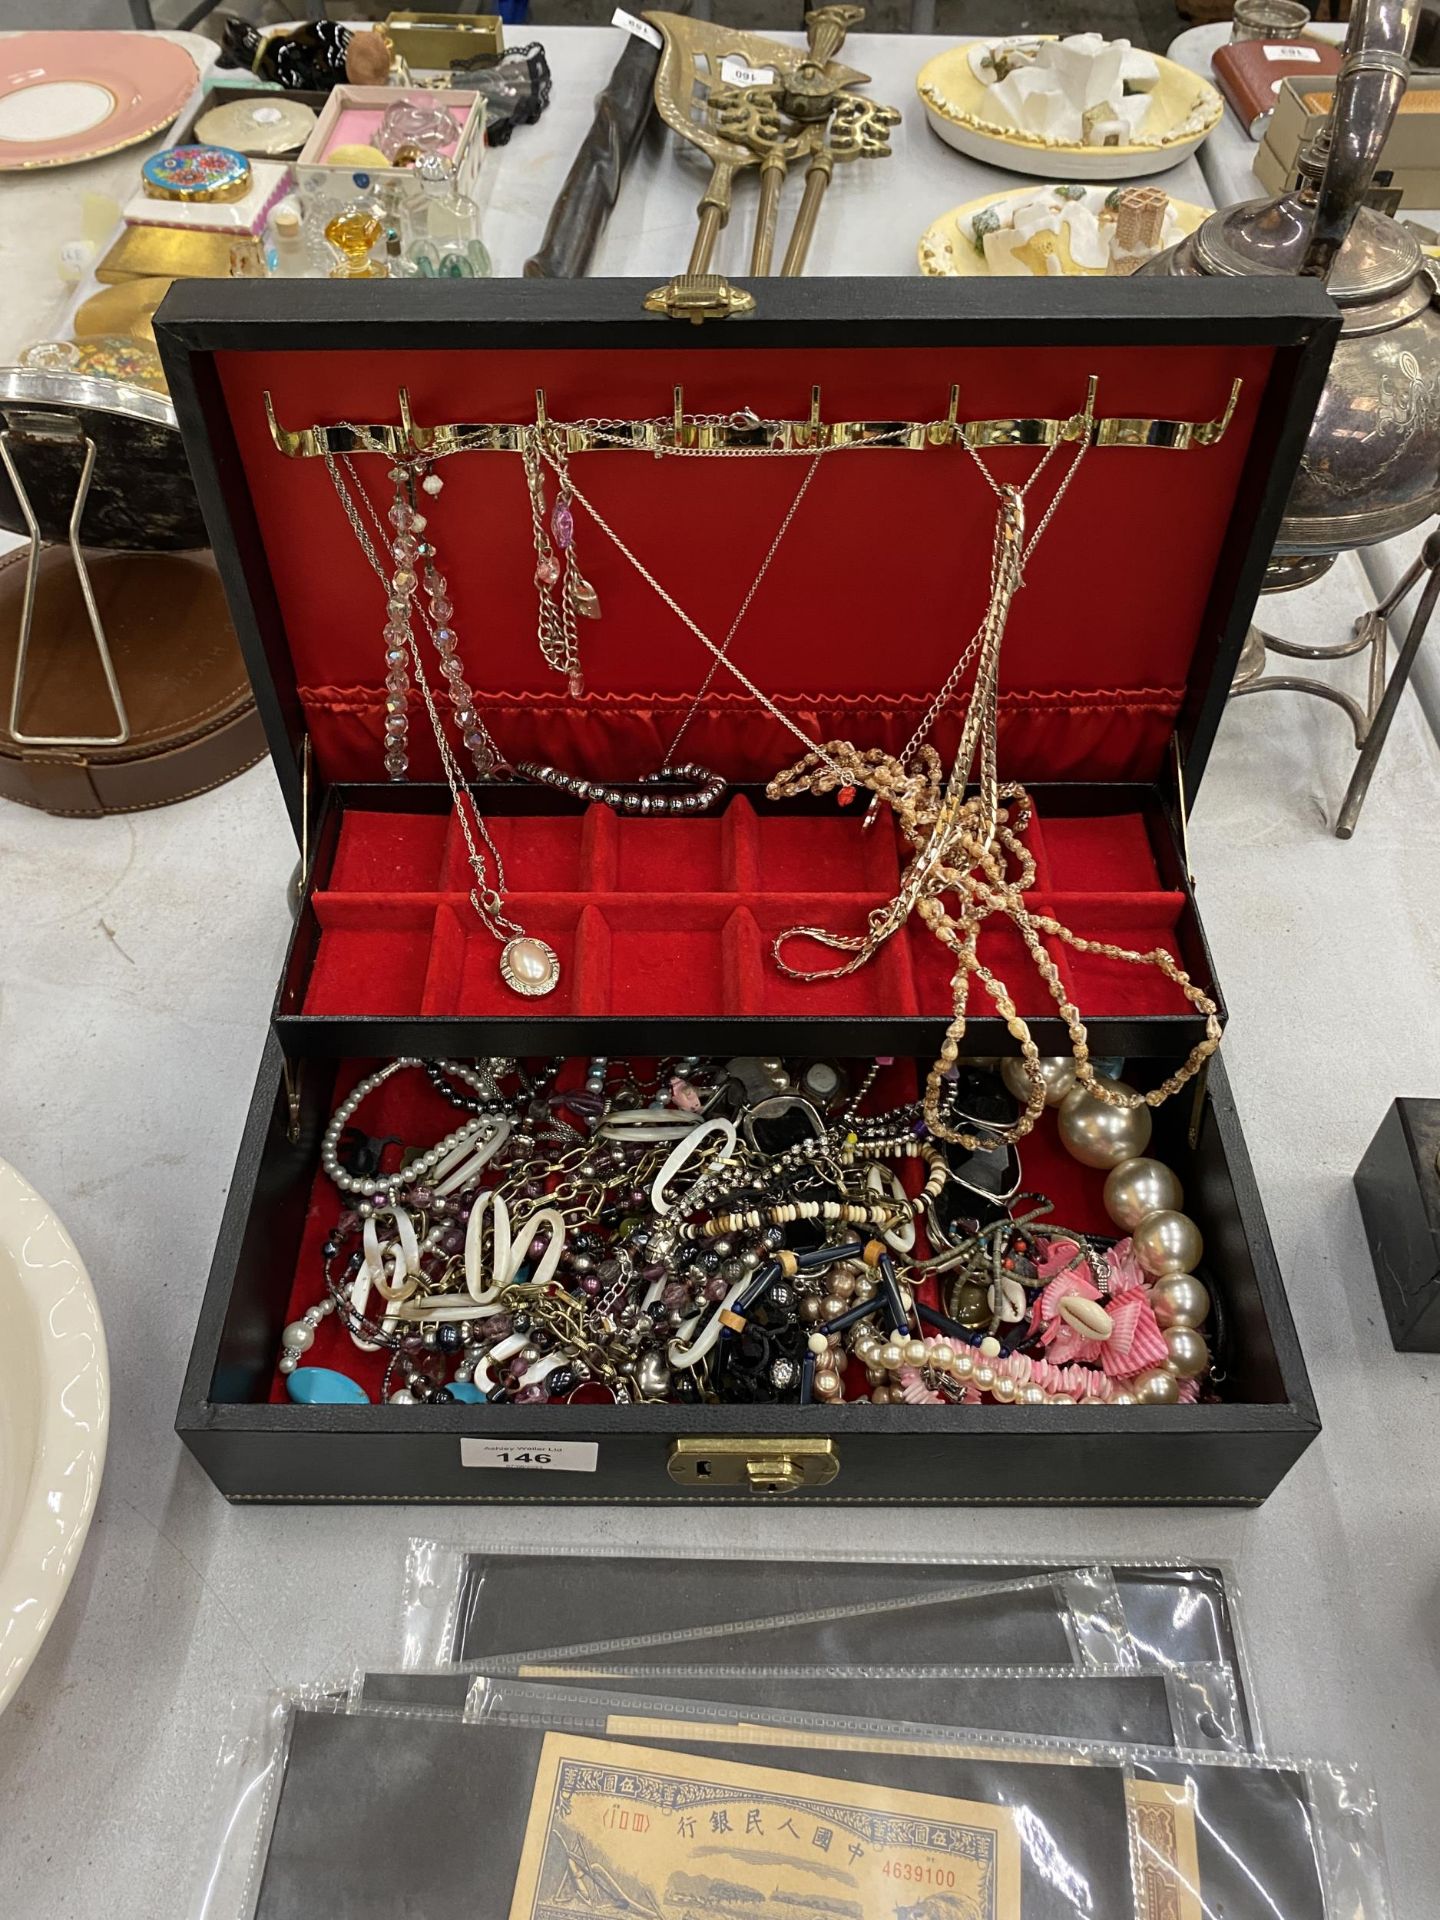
(805, 113)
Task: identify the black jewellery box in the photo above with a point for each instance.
(1192, 399)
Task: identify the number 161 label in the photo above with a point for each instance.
(538, 1456)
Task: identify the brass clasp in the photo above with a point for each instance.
(761, 1465)
(699, 296)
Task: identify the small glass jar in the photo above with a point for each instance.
(1269, 20)
(448, 243)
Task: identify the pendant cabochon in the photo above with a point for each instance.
(521, 961)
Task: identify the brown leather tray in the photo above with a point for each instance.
(192, 717)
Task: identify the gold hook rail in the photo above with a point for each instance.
(1175, 434)
(741, 431)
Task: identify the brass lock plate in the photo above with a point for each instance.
(699, 296)
(761, 1466)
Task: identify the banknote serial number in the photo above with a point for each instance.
(919, 1873)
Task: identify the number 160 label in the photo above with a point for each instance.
(541, 1456)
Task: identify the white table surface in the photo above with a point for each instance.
(137, 963)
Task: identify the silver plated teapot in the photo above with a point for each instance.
(1371, 467)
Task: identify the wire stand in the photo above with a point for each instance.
(1371, 720)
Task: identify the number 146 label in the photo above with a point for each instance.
(542, 1456)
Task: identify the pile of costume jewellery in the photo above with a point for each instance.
(744, 1231)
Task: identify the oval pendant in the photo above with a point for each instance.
(529, 966)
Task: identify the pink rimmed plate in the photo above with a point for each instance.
(66, 97)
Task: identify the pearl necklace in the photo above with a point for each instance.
(380, 1189)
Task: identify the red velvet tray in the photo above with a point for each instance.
(387, 930)
(1115, 666)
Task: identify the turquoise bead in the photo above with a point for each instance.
(467, 1391)
(323, 1387)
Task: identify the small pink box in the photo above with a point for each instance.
(352, 117)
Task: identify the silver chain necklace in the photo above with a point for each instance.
(528, 965)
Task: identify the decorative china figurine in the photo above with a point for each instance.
(1082, 90)
(310, 58)
(1074, 229)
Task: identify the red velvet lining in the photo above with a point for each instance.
(408, 1107)
(678, 916)
(1098, 735)
(877, 585)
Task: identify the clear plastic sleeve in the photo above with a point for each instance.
(249, 1774)
(471, 1604)
(1058, 1615)
(1182, 1708)
(1214, 1836)
(544, 1801)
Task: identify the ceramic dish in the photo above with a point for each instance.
(75, 96)
(1183, 110)
(947, 252)
(54, 1412)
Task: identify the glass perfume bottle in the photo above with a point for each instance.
(353, 233)
(414, 127)
(448, 243)
(286, 256)
(397, 265)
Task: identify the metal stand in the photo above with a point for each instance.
(1371, 722)
(57, 426)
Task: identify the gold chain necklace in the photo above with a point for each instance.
(718, 653)
(972, 847)
(964, 846)
(551, 443)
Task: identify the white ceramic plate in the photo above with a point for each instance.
(947, 252)
(1183, 111)
(54, 1416)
